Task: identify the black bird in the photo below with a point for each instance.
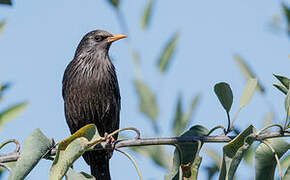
(91, 94)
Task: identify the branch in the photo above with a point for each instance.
(159, 141)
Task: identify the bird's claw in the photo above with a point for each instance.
(110, 140)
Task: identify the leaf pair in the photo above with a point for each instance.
(265, 162)
(186, 156)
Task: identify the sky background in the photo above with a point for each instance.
(40, 38)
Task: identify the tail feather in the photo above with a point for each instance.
(99, 163)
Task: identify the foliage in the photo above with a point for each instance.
(186, 159)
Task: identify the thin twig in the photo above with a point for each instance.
(229, 123)
(159, 141)
(269, 126)
(215, 128)
(124, 129)
(133, 161)
(11, 141)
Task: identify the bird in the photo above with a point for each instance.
(91, 94)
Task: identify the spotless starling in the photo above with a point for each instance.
(91, 94)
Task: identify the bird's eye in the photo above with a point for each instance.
(99, 38)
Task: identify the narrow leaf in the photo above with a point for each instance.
(267, 119)
(265, 162)
(287, 14)
(157, 154)
(2, 25)
(225, 95)
(211, 170)
(167, 53)
(7, 2)
(147, 101)
(248, 157)
(3, 88)
(79, 176)
(182, 119)
(114, 3)
(35, 147)
(233, 153)
(188, 154)
(248, 92)
(146, 15)
(247, 72)
(71, 148)
(214, 168)
(280, 87)
(285, 162)
(10, 113)
(214, 156)
(287, 174)
(284, 80)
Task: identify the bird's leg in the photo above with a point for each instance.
(111, 140)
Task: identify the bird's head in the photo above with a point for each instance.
(97, 40)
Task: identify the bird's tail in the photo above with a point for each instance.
(99, 163)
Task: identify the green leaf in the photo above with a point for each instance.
(280, 87)
(265, 162)
(214, 156)
(214, 168)
(10, 113)
(287, 174)
(188, 153)
(147, 101)
(157, 154)
(146, 15)
(2, 25)
(247, 72)
(182, 119)
(3, 88)
(233, 153)
(71, 148)
(248, 92)
(211, 170)
(7, 2)
(285, 162)
(248, 156)
(167, 53)
(225, 95)
(267, 119)
(287, 14)
(35, 147)
(284, 80)
(114, 3)
(79, 176)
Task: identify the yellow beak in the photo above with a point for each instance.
(116, 37)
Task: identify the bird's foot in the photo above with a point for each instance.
(110, 140)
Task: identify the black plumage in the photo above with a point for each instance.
(91, 94)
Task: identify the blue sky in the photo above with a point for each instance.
(41, 36)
